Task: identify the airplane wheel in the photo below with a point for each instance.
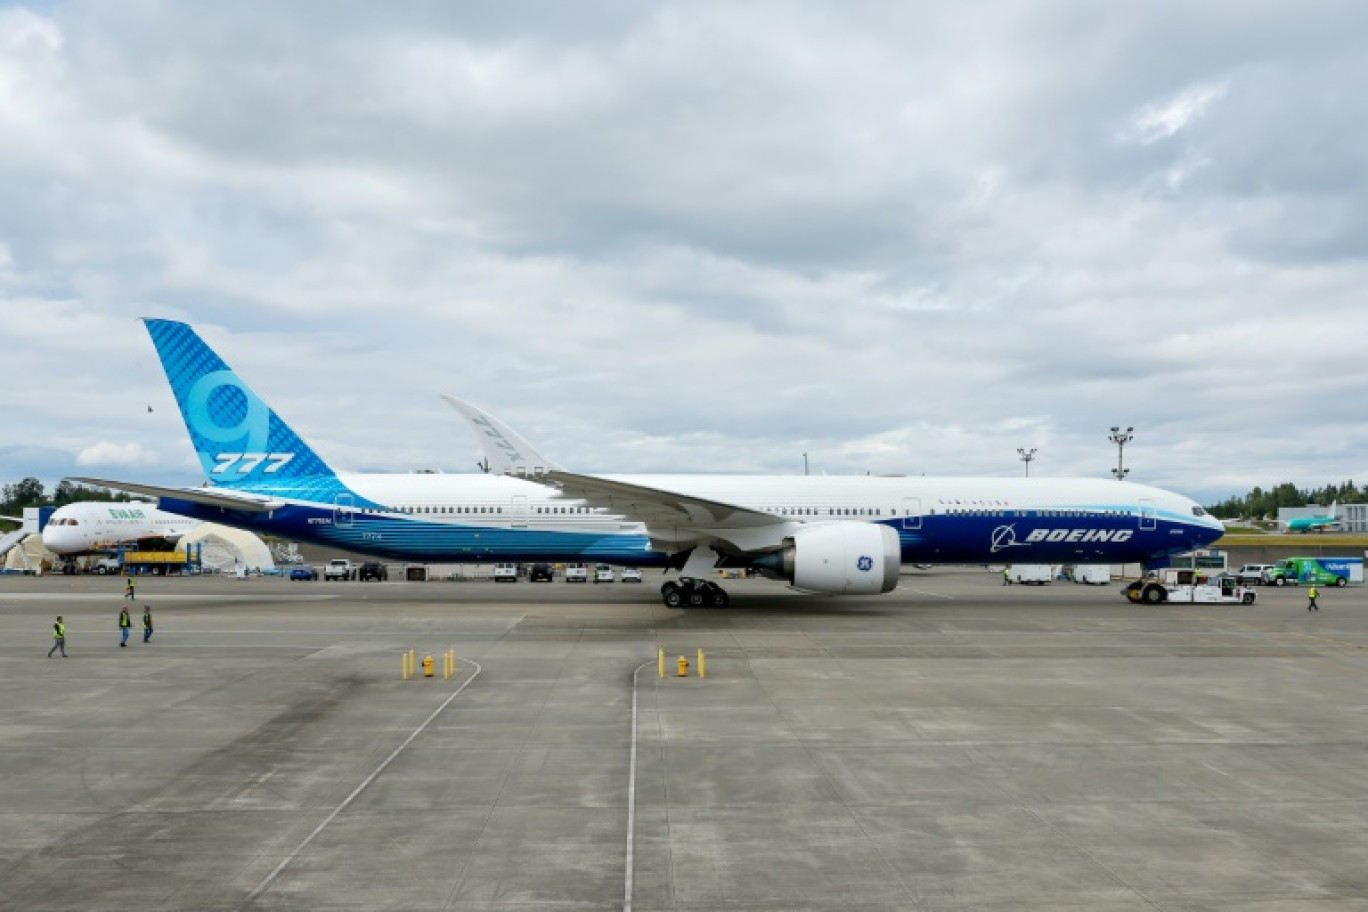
(719, 597)
(673, 599)
(696, 597)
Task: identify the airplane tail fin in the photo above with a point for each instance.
(241, 442)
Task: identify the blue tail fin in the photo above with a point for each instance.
(240, 441)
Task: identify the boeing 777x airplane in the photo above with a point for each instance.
(837, 535)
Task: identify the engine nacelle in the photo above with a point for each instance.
(841, 558)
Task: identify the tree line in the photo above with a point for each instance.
(1264, 504)
(29, 492)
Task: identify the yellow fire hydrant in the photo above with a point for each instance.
(683, 667)
(427, 666)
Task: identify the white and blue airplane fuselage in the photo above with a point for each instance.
(824, 534)
(936, 520)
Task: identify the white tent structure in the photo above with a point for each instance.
(225, 549)
(29, 555)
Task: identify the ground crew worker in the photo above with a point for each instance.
(125, 624)
(58, 638)
(1006, 576)
(1311, 605)
(128, 588)
(147, 623)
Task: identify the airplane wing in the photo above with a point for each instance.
(657, 506)
(506, 452)
(211, 497)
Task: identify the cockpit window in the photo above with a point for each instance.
(1198, 511)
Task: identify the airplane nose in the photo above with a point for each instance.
(56, 539)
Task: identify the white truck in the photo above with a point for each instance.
(1092, 574)
(339, 568)
(1031, 574)
(1252, 574)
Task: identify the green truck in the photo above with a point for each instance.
(1315, 571)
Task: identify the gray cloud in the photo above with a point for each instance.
(900, 237)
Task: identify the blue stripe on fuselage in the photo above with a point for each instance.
(405, 538)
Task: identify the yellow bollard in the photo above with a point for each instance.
(683, 667)
(403, 673)
(660, 662)
(702, 669)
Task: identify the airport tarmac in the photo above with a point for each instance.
(954, 745)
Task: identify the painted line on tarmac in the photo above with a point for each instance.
(158, 595)
(939, 595)
(362, 787)
(631, 795)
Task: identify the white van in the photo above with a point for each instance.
(505, 573)
(603, 573)
(576, 573)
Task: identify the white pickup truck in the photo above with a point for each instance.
(339, 568)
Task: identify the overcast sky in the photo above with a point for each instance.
(694, 237)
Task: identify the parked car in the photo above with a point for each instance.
(631, 575)
(339, 568)
(505, 573)
(373, 570)
(304, 573)
(603, 573)
(1252, 574)
(541, 573)
(576, 573)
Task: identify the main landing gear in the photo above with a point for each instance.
(695, 593)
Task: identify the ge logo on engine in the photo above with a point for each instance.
(865, 563)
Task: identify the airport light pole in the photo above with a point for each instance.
(805, 470)
(1026, 457)
(1121, 438)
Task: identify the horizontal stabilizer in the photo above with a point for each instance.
(210, 497)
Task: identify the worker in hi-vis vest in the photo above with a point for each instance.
(58, 637)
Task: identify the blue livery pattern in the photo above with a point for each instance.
(241, 442)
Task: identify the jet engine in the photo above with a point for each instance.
(839, 558)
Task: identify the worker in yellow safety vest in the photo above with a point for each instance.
(58, 637)
(1311, 605)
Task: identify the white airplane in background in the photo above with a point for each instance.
(86, 526)
(835, 535)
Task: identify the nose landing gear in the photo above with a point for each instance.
(695, 593)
